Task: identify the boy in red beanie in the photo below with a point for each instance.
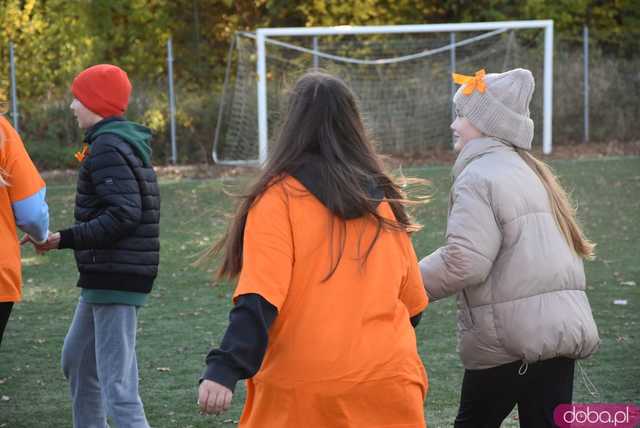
(116, 244)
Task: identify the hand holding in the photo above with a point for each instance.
(52, 243)
(26, 238)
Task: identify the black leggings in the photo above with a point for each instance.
(5, 311)
(489, 395)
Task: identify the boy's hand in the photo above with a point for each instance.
(213, 398)
(52, 243)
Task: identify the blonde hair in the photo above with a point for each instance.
(563, 210)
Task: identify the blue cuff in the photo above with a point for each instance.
(32, 215)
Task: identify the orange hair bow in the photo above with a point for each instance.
(83, 153)
(472, 82)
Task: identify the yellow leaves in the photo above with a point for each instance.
(11, 19)
(48, 39)
(184, 119)
(339, 12)
(18, 21)
(28, 7)
(154, 119)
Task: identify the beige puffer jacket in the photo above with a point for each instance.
(520, 288)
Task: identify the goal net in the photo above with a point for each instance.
(402, 82)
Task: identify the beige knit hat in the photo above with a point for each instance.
(498, 104)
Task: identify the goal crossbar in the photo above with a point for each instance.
(380, 61)
(266, 35)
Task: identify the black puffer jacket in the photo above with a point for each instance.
(117, 211)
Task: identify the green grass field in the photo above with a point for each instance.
(186, 315)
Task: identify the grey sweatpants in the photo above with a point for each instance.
(99, 360)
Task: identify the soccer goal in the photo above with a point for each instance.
(401, 75)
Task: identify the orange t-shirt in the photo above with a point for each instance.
(24, 181)
(341, 353)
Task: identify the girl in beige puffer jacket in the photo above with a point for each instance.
(514, 259)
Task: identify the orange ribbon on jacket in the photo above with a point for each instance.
(472, 82)
(83, 153)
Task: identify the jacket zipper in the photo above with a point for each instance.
(468, 307)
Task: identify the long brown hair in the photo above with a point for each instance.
(322, 119)
(563, 209)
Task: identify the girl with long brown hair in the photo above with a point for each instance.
(514, 259)
(328, 282)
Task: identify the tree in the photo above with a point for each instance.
(50, 45)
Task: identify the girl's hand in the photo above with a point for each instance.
(213, 398)
(26, 238)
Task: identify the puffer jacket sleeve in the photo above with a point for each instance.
(119, 193)
(473, 241)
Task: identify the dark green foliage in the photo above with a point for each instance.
(55, 39)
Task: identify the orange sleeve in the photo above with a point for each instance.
(267, 256)
(22, 175)
(413, 294)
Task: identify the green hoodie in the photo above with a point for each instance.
(137, 136)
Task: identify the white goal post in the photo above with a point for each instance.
(270, 35)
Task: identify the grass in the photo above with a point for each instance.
(186, 315)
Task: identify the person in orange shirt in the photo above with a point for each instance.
(22, 204)
(328, 281)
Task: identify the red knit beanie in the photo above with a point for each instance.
(104, 89)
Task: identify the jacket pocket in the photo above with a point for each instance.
(468, 308)
(464, 309)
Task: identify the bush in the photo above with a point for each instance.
(52, 136)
